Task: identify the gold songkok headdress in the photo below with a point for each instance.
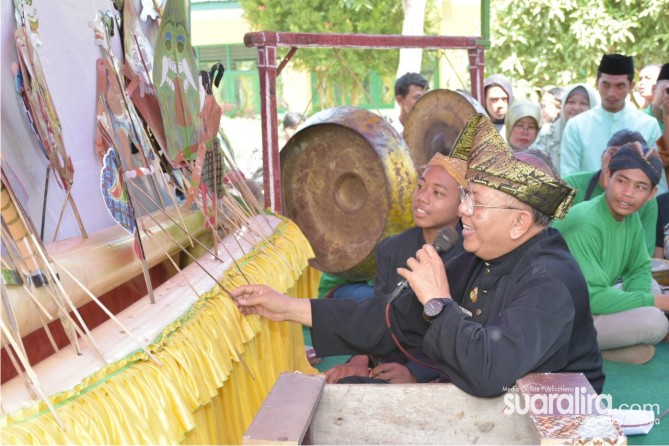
(455, 167)
(492, 164)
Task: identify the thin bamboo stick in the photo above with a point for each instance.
(32, 375)
(176, 224)
(19, 371)
(193, 258)
(107, 312)
(180, 271)
(73, 308)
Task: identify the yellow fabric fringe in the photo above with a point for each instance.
(307, 284)
(202, 394)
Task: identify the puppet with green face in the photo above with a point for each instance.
(175, 76)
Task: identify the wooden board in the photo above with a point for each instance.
(429, 414)
(286, 413)
(414, 414)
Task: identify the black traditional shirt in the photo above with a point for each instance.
(530, 313)
(391, 254)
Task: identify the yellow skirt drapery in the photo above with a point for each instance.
(202, 393)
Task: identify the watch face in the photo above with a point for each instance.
(433, 307)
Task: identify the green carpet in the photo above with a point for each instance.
(627, 384)
(642, 384)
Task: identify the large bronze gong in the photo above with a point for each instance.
(347, 180)
(435, 122)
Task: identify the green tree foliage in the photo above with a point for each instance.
(335, 70)
(544, 42)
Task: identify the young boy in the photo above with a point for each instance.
(606, 238)
(435, 205)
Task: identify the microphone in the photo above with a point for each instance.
(446, 238)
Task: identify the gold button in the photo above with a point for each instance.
(478, 312)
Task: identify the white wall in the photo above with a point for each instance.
(68, 54)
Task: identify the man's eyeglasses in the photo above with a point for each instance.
(470, 205)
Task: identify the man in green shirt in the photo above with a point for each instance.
(591, 184)
(606, 238)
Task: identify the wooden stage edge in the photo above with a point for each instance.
(302, 409)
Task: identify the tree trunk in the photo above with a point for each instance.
(414, 22)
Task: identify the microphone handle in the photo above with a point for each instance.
(401, 287)
(404, 284)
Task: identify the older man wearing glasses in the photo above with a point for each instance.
(516, 302)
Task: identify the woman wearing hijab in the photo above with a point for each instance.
(522, 125)
(575, 100)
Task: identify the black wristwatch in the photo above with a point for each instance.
(434, 307)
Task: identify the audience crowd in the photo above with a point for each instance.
(580, 183)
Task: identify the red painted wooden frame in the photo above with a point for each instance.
(267, 43)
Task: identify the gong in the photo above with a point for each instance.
(435, 122)
(347, 179)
